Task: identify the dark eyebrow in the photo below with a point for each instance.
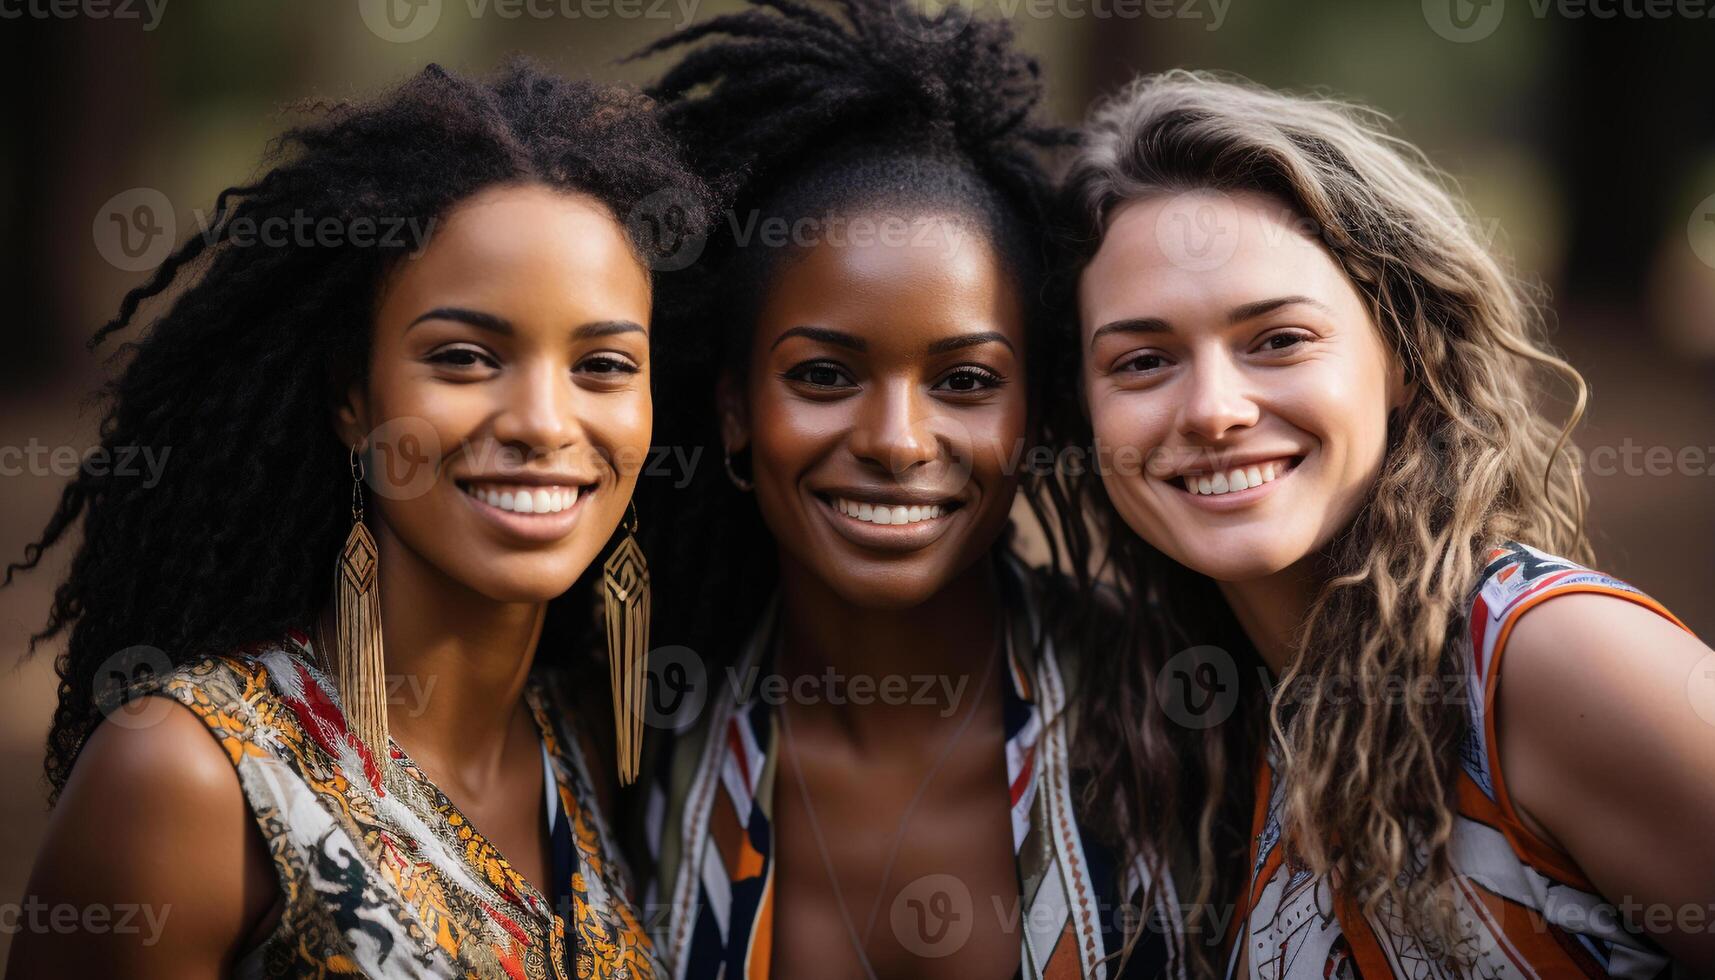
(481, 321)
(499, 325)
(838, 338)
(971, 340)
(1251, 311)
(1238, 314)
(607, 328)
(1141, 324)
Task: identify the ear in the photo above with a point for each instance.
(735, 419)
(351, 420)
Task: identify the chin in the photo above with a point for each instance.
(882, 586)
(523, 579)
(1238, 561)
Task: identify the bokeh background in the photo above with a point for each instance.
(1581, 131)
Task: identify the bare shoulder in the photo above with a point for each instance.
(1603, 655)
(1606, 731)
(151, 864)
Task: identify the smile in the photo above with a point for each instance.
(1236, 479)
(521, 499)
(874, 513)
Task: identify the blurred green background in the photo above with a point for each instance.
(1581, 131)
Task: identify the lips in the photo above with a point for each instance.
(524, 498)
(1230, 487)
(888, 521)
(529, 513)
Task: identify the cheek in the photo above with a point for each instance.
(787, 434)
(1132, 423)
(992, 437)
(619, 425)
(1343, 405)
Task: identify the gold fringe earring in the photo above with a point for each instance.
(362, 670)
(625, 591)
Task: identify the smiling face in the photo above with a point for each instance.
(885, 396)
(1251, 398)
(507, 404)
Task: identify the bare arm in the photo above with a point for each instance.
(1607, 742)
(151, 867)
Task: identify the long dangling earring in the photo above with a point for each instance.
(362, 678)
(625, 591)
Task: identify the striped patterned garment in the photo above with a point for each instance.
(708, 830)
(1527, 908)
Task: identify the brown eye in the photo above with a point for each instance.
(461, 357)
(607, 364)
(969, 379)
(1144, 362)
(820, 374)
(1284, 341)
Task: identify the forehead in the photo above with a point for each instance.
(1169, 254)
(897, 280)
(560, 241)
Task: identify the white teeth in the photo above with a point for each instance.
(889, 515)
(1230, 481)
(520, 500)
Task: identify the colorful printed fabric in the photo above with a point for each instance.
(1529, 910)
(709, 831)
(391, 880)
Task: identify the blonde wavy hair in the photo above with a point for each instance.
(1370, 783)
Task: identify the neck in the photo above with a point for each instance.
(888, 674)
(456, 661)
(1271, 610)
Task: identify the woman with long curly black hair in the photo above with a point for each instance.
(880, 783)
(415, 350)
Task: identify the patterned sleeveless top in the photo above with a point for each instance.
(709, 835)
(1529, 910)
(391, 880)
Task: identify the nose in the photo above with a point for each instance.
(1218, 399)
(537, 413)
(891, 430)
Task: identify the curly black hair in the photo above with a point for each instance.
(797, 111)
(236, 543)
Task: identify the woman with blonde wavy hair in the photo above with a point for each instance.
(1325, 483)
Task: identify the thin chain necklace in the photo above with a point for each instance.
(860, 943)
